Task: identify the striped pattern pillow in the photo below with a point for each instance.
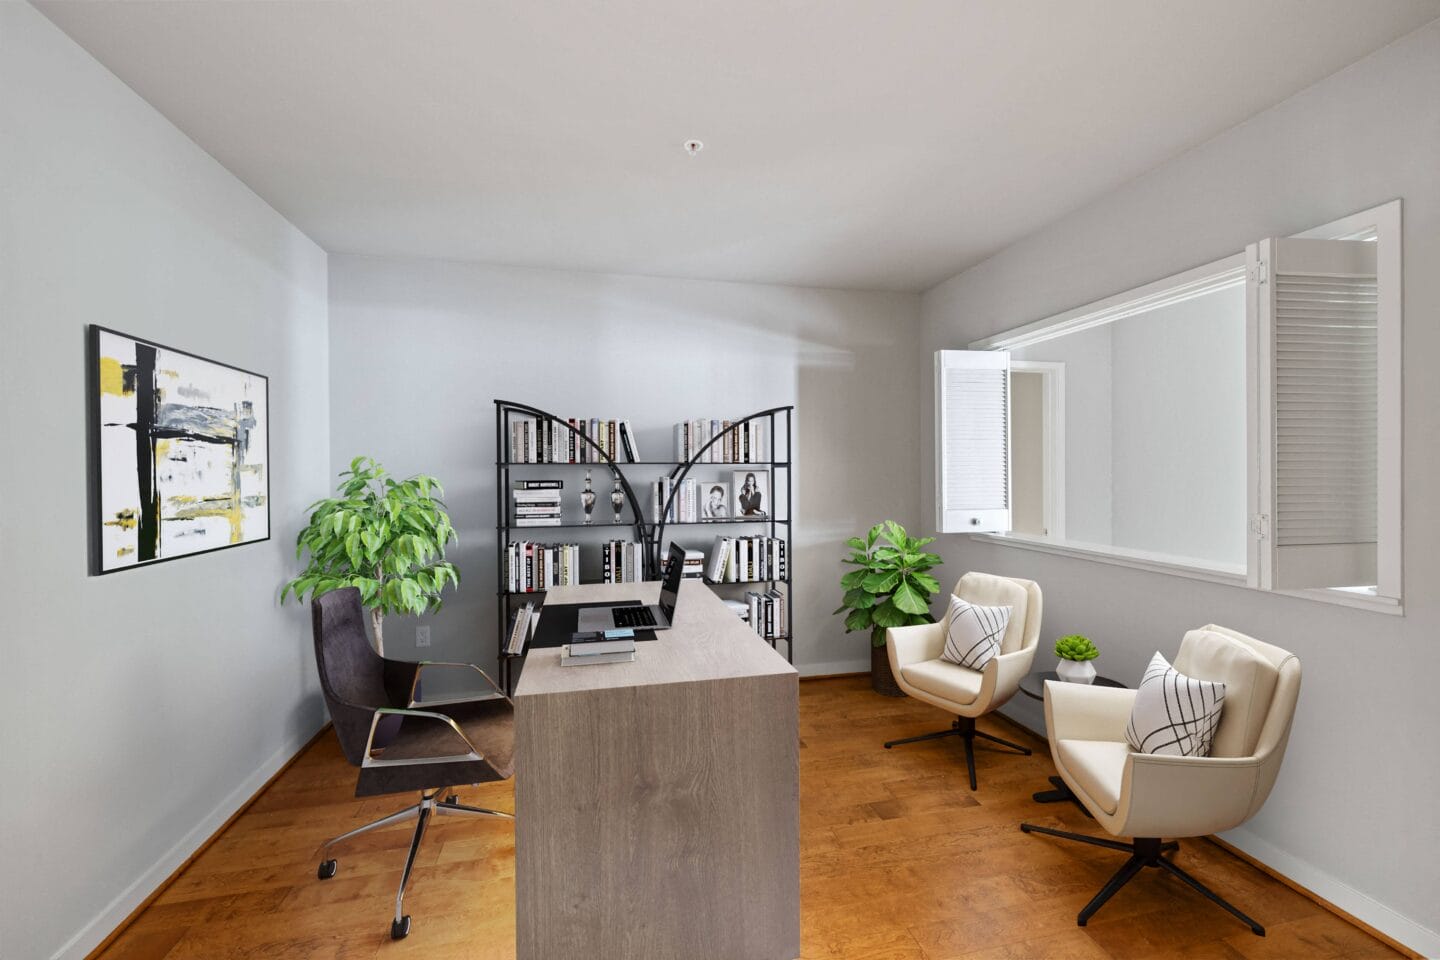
(1174, 714)
(972, 634)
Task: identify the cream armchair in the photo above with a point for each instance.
(915, 661)
(1148, 797)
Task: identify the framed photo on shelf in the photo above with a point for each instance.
(715, 500)
(750, 494)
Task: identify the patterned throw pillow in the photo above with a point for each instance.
(972, 634)
(1174, 714)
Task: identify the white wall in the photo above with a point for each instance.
(420, 349)
(142, 707)
(1353, 814)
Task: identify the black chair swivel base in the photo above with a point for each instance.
(429, 805)
(963, 727)
(1144, 852)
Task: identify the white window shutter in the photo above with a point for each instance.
(1318, 437)
(972, 441)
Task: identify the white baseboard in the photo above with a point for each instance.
(1402, 929)
(90, 935)
(833, 667)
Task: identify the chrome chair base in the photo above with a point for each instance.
(429, 805)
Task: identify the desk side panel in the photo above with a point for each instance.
(659, 821)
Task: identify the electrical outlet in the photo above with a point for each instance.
(422, 636)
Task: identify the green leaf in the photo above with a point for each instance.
(857, 544)
(924, 582)
(853, 579)
(860, 599)
(888, 615)
(908, 599)
(882, 582)
(858, 620)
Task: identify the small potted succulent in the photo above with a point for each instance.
(1075, 653)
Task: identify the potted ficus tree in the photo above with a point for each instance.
(385, 537)
(1075, 653)
(889, 587)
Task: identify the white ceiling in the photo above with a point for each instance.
(849, 143)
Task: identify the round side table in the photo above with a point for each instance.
(1033, 686)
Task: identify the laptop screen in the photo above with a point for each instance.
(670, 589)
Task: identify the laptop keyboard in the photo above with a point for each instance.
(634, 617)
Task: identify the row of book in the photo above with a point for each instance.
(537, 505)
(686, 507)
(747, 560)
(522, 629)
(573, 440)
(747, 443)
(622, 561)
(767, 613)
(538, 566)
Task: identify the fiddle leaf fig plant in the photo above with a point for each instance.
(385, 537)
(1076, 647)
(890, 585)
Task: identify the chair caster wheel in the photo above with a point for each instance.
(453, 798)
(400, 929)
(327, 869)
(1024, 828)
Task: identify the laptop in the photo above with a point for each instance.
(639, 616)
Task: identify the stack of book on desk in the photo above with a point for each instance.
(598, 647)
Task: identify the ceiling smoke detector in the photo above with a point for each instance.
(693, 147)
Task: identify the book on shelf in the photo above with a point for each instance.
(767, 613)
(521, 629)
(572, 440)
(747, 442)
(531, 567)
(537, 507)
(747, 560)
(523, 485)
(622, 561)
(691, 501)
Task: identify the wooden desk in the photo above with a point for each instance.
(657, 802)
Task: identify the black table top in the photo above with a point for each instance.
(1033, 686)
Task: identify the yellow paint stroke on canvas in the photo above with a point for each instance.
(112, 377)
(125, 519)
(226, 507)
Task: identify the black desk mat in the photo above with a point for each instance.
(559, 620)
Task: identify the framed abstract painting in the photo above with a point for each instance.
(179, 453)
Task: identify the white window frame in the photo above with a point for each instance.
(1382, 222)
(1211, 277)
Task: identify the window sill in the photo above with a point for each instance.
(1155, 563)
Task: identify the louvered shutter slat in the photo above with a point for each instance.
(973, 440)
(1323, 336)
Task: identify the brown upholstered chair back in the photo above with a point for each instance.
(354, 678)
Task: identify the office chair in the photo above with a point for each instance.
(399, 744)
(1149, 796)
(915, 662)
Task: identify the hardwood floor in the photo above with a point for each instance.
(899, 861)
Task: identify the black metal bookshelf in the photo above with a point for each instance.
(648, 532)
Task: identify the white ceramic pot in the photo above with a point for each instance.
(1076, 671)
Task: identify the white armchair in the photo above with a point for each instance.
(919, 671)
(1148, 797)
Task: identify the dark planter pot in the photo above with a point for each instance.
(882, 681)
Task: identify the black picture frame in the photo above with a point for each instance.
(95, 468)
